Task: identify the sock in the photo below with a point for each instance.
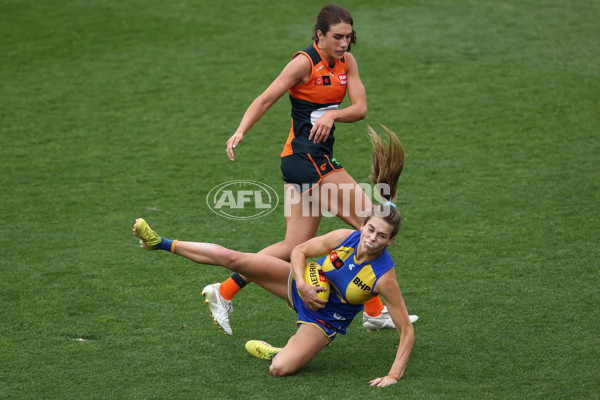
(231, 286)
(374, 307)
(166, 244)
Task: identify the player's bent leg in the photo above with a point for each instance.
(299, 229)
(343, 197)
(297, 233)
(299, 350)
(302, 222)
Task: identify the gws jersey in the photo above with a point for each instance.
(325, 90)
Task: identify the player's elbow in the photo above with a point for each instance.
(361, 112)
(407, 332)
(297, 250)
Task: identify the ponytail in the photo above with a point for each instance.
(388, 162)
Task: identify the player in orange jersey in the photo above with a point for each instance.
(317, 80)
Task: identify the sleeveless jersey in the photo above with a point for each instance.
(324, 91)
(351, 283)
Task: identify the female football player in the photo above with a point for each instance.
(356, 264)
(317, 79)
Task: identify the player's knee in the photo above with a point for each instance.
(274, 371)
(279, 369)
(228, 257)
(277, 372)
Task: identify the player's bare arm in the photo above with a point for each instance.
(295, 72)
(388, 287)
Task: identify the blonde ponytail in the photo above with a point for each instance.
(388, 162)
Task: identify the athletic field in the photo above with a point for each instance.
(112, 110)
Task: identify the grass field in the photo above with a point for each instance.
(111, 110)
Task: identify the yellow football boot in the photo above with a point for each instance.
(261, 349)
(148, 238)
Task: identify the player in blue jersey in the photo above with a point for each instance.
(356, 263)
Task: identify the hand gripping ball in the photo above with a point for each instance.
(313, 275)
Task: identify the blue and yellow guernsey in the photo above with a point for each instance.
(351, 283)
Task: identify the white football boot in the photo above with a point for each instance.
(382, 321)
(219, 307)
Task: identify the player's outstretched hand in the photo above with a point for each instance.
(384, 381)
(232, 144)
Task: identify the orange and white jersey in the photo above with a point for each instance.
(325, 90)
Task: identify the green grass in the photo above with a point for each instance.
(113, 110)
